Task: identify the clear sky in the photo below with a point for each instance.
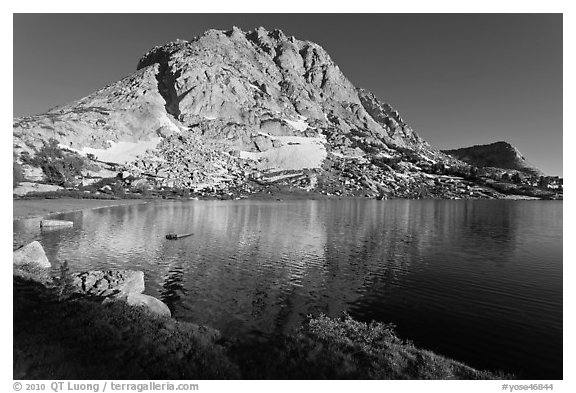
(458, 80)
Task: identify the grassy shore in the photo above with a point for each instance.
(32, 208)
(67, 337)
(57, 338)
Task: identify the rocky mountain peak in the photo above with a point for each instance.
(505, 147)
(257, 70)
(230, 107)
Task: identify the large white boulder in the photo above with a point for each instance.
(31, 254)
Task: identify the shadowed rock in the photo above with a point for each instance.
(152, 304)
(108, 283)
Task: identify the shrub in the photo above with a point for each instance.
(144, 191)
(438, 168)
(118, 189)
(343, 348)
(59, 167)
(17, 174)
(63, 284)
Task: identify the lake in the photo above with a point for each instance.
(479, 281)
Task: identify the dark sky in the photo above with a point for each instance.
(457, 79)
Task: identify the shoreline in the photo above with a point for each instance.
(41, 208)
(24, 209)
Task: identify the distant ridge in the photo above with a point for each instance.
(497, 155)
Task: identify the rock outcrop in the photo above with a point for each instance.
(31, 264)
(118, 285)
(108, 283)
(497, 155)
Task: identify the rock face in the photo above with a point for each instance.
(234, 111)
(108, 283)
(498, 155)
(152, 304)
(31, 254)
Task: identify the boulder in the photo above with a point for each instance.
(140, 183)
(32, 173)
(263, 143)
(108, 283)
(56, 223)
(275, 127)
(152, 304)
(31, 254)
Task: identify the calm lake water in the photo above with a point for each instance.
(479, 281)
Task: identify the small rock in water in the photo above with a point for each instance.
(56, 223)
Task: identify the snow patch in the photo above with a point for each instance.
(170, 124)
(272, 179)
(26, 187)
(296, 153)
(300, 124)
(122, 152)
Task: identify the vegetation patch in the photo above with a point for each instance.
(82, 339)
(60, 167)
(62, 335)
(17, 174)
(332, 348)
